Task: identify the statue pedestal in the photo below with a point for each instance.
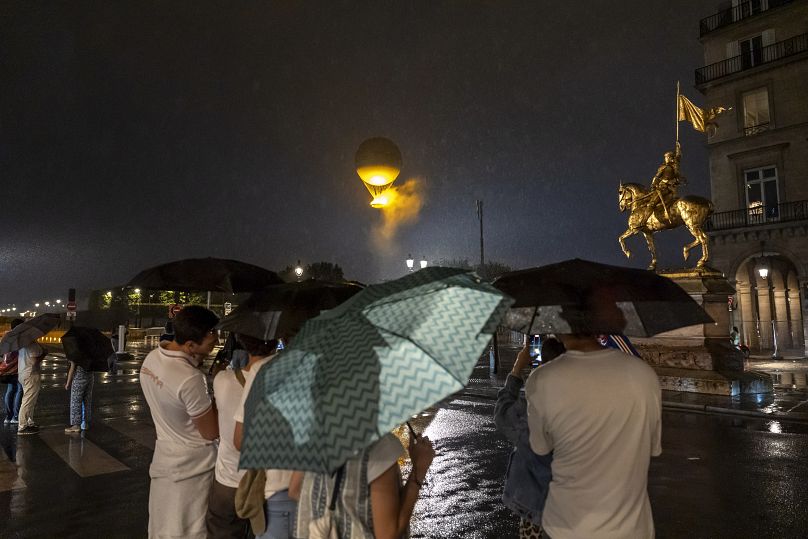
(700, 359)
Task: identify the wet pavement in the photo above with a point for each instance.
(720, 475)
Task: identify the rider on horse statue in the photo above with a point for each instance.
(666, 182)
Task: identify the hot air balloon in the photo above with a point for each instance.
(378, 163)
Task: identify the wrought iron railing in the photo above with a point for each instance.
(755, 129)
(740, 12)
(754, 58)
(760, 215)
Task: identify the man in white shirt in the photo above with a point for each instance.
(598, 411)
(279, 509)
(186, 422)
(29, 359)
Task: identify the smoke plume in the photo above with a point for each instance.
(403, 208)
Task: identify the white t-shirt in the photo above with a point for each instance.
(383, 454)
(176, 392)
(25, 360)
(277, 480)
(227, 390)
(600, 414)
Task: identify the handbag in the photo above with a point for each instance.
(9, 364)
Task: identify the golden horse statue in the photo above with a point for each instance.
(647, 217)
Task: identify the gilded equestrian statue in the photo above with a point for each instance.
(659, 208)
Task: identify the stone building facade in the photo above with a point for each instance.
(756, 61)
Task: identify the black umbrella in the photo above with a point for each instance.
(28, 332)
(579, 296)
(87, 348)
(205, 274)
(282, 309)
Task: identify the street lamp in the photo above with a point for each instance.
(36, 304)
(298, 270)
(410, 262)
(58, 301)
(423, 263)
(763, 266)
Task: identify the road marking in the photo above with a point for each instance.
(86, 458)
(142, 433)
(10, 477)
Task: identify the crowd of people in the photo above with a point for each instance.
(583, 434)
(197, 488)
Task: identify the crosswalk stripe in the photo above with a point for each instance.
(10, 478)
(142, 433)
(86, 458)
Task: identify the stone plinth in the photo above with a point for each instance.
(700, 359)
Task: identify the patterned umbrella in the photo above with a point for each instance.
(357, 371)
(557, 297)
(28, 332)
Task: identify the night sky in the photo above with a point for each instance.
(137, 133)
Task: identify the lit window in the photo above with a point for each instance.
(755, 111)
(762, 197)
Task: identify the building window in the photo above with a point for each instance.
(762, 197)
(756, 111)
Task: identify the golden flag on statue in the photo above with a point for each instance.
(700, 119)
(690, 112)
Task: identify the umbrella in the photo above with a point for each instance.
(357, 371)
(205, 274)
(87, 348)
(279, 310)
(579, 296)
(28, 332)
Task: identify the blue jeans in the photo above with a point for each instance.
(13, 398)
(281, 512)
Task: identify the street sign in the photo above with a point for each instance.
(174, 309)
(228, 307)
(71, 306)
(71, 315)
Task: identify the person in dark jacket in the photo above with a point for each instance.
(527, 479)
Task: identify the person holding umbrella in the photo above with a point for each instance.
(598, 411)
(80, 384)
(29, 359)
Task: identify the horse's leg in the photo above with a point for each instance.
(622, 239)
(649, 239)
(686, 250)
(705, 249)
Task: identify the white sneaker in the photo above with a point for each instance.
(73, 429)
(6, 421)
(15, 421)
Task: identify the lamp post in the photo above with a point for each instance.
(410, 262)
(423, 263)
(298, 271)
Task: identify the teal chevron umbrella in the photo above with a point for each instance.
(357, 371)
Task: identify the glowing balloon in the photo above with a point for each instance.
(378, 163)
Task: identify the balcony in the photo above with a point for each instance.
(738, 13)
(754, 58)
(760, 215)
(755, 129)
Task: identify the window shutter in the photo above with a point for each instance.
(768, 37)
(733, 49)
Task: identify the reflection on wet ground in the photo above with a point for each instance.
(723, 475)
(463, 495)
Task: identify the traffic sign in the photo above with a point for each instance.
(228, 307)
(174, 309)
(71, 306)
